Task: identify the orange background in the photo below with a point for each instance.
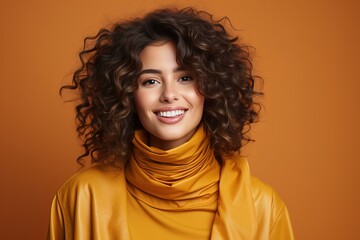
(306, 143)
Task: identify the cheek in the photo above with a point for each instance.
(140, 103)
(198, 100)
(201, 106)
(144, 101)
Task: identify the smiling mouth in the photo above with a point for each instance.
(170, 114)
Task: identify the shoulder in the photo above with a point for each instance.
(96, 179)
(89, 199)
(266, 201)
(262, 190)
(256, 200)
(271, 211)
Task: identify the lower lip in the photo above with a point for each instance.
(171, 120)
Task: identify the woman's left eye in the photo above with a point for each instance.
(185, 79)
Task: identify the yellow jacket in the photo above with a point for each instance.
(93, 205)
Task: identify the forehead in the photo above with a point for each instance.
(158, 54)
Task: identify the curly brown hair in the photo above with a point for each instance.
(106, 81)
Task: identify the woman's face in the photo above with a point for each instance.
(167, 101)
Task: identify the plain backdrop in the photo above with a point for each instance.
(307, 140)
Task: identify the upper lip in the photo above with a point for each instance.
(165, 109)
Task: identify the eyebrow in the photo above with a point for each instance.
(156, 71)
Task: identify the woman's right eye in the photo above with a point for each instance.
(149, 82)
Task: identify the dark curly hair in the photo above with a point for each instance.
(106, 81)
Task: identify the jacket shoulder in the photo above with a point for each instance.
(94, 179)
(270, 207)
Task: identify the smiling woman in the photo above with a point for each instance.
(166, 103)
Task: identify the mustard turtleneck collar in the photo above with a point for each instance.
(185, 177)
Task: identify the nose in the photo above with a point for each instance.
(169, 93)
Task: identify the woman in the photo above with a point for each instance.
(166, 102)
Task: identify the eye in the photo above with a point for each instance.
(150, 82)
(185, 79)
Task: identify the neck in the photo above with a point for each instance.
(168, 144)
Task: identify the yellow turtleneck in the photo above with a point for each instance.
(173, 193)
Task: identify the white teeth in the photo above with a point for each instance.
(172, 113)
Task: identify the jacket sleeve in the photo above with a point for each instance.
(56, 229)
